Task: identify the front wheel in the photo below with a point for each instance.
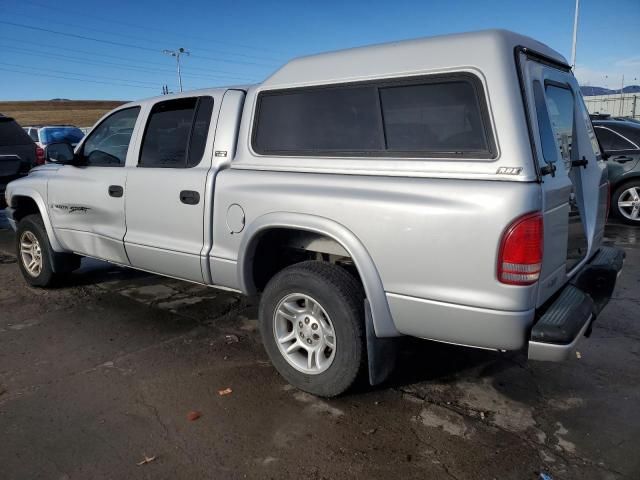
(311, 322)
(626, 202)
(36, 258)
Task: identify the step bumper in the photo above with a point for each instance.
(563, 321)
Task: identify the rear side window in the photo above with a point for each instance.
(438, 116)
(612, 141)
(176, 133)
(12, 134)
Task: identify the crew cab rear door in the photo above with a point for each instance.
(573, 175)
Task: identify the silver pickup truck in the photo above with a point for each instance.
(448, 188)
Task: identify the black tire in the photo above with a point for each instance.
(342, 298)
(615, 209)
(54, 265)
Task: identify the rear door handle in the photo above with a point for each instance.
(622, 159)
(189, 197)
(116, 191)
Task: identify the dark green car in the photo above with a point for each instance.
(620, 139)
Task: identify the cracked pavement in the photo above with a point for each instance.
(102, 372)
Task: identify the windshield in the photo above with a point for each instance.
(61, 135)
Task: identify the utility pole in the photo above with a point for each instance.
(177, 54)
(575, 36)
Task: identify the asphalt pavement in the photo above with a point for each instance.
(121, 374)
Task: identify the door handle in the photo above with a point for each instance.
(116, 191)
(189, 197)
(622, 159)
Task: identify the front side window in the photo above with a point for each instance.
(108, 143)
(176, 133)
(435, 116)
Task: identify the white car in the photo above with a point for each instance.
(43, 135)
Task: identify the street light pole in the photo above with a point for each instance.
(178, 53)
(575, 36)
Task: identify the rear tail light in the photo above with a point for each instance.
(520, 254)
(39, 155)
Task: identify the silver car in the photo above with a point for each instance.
(447, 188)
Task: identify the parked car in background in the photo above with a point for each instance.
(18, 153)
(43, 135)
(620, 139)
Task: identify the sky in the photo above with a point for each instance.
(94, 49)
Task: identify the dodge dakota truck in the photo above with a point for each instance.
(448, 188)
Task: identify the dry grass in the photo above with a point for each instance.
(82, 113)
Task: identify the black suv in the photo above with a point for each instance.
(17, 153)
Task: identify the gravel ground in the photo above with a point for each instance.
(105, 371)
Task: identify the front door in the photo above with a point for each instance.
(86, 201)
(166, 188)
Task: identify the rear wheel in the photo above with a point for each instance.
(626, 202)
(311, 322)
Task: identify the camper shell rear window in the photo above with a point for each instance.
(436, 116)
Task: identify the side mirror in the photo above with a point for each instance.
(59, 153)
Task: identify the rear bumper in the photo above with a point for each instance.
(570, 314)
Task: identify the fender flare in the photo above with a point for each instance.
(34, 195)
(374, 290)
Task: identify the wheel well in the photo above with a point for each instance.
(624, 180)
(278, 248)
(23, 206)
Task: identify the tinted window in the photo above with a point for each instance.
(409, 118)
(436, 117)
(108, 143)
(612, 141)
(176, 133)
(12, 134)
(200, 131)
(629, 131)
(61, 135)
(340, 119)
(560, 106)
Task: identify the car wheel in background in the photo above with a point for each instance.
(626, 202)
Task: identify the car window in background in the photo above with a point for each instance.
(12, 134)
(33, 133)
(61, 135)
(611, 141)
(630, 131)
(108, 143)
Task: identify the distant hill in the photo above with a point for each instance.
(589, 91)
(82, 113)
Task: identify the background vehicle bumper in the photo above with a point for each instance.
(9, 212)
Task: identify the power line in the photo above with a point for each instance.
(40, 45)
(78, 74)
(120, 44)
(149, 27)
(40, 74)
(142, 69)
(139, 38)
